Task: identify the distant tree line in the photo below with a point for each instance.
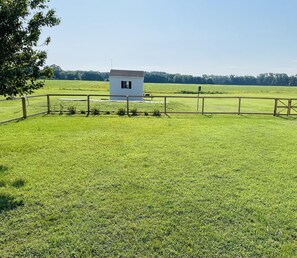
(60, 74)
(280, 79)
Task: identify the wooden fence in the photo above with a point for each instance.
(281, 106)
(23, 108)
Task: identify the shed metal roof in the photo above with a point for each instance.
(128, 73)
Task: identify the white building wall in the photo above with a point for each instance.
(137, 88)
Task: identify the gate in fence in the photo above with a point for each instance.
(285, 107)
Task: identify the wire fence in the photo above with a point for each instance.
(20, 108)
(87, 104)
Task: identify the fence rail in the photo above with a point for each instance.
(279, 106)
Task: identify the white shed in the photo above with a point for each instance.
(127, 83)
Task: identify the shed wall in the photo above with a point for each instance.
(136, 90)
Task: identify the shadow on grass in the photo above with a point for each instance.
(208, 115)
(18, 183)
(8, 202)
(3, 169)
(287, 117)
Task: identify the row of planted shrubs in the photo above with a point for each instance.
(121, 112)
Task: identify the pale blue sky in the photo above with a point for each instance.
(176, 36)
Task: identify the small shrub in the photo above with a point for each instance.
(134, 112)
(95, 111)
(121, 112)
(107, 112)
(83, 112)
(146, 113)
(61, 109)
(71, 110)
(156, 112)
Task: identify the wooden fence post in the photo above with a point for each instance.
(289, 107)
(48, 104)
(275, 107)
(198, 100)
(24, 107)
(88, 105)
(127, 105)
(239, 105)
(202, 105)
(165, 109)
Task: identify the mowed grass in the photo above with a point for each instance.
(186, 186)
(13, 109)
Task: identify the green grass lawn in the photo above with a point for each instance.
(186, 186)
(13, 109)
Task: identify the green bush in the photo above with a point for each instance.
(61, 109)
(71, 110)
(146, 113)
(121, 112)
(156, 112)
(95, 111)
(134, 112)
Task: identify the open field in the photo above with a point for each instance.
(13, 109)
(155, 89)
(206, 186)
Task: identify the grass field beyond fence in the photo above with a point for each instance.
(142, 187)
(214, 99)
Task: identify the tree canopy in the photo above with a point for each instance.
(22, 62)
(274, 79)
